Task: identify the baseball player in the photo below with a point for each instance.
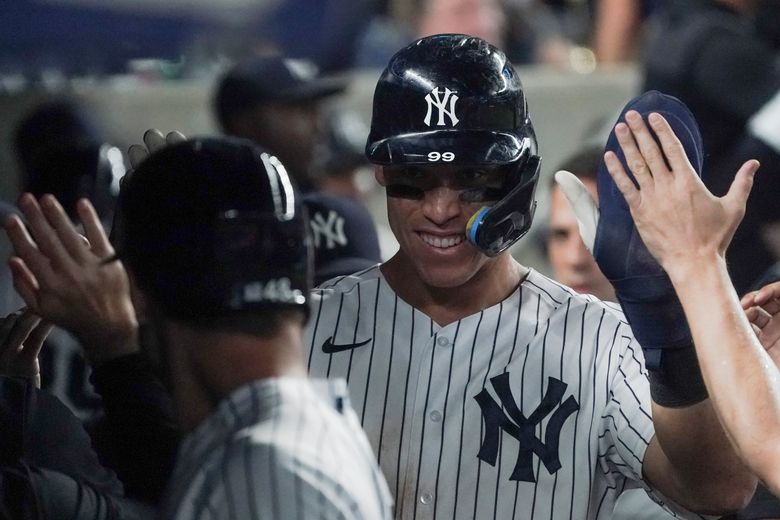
(486, 389)
(220, 268)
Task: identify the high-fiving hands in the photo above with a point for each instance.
(69, 281)
(680, 221)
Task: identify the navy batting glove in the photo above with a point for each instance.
(641, 285)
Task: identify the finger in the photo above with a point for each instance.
(25, 282)
(136, 154)
(634, 160)
(67, 234)
(768, 292)
(96, 235)
(647, 144)
(34, 342)
(154, 140)
(175, 137)
(741, 185)
(43, 233)
(671, 146)
(583, 205)
(615, 168)
(758, 316)
(748, 300)
(19, 332)
(26, 248)
(772, 306)
(756, 331)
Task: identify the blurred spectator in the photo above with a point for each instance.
(710, 55)
(481, 18)
(339, 158)
(344, 237)
(572, 264)
(275, 102)
(61, 151)
(617, 28)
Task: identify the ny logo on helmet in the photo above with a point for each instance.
(434, 99)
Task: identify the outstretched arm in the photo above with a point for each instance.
(687, 230)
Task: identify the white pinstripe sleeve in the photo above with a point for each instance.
(627, 423)
(628, 420)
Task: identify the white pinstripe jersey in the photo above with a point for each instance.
(537, 407)
(277, 449)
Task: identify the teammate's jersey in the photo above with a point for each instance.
(283, 449)
(537, 407)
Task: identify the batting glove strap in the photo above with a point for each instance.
(679, 382)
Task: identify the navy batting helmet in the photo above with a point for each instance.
(455, 99)
(212, 226)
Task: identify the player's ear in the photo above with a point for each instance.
(379, 175)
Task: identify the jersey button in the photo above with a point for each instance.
(426, 498)
(442, 341)
(435, 416)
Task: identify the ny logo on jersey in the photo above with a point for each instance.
(509, 418)
(331, 230)
(434, 99)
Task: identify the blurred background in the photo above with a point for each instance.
(128, 65)
(135, 64)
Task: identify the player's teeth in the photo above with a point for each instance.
(442, 242)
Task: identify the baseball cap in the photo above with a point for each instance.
(272, 79)
(343, 234)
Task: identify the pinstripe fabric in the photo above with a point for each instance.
(279, 449)
(417, 385)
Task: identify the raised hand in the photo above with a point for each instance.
(679, 220)
(22, 334)
(153, 140)
(69, 281)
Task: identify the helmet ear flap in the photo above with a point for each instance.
(494, 229)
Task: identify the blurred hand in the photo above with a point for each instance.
(71, 282)
(679, 220)
(154, 140)
(22, 334)
(762, 308)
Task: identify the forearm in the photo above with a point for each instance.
(699, 469)
(741, 378)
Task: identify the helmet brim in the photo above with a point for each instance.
(468, 147)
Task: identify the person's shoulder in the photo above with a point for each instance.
(345, 284)
(562, 298)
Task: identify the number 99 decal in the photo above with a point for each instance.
(438, 156)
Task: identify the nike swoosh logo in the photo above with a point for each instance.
(330, 348)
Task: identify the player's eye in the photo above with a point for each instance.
(483, 194)
(404, 191)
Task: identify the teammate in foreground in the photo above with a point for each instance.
(687, 230)
(219, 270)
(486, 389)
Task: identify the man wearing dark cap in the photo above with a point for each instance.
(343, 235)
(274, 101)
(219, 271)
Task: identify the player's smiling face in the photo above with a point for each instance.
(428, 208)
